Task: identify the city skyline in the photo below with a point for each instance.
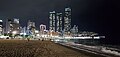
(97, 16)
(60, 21)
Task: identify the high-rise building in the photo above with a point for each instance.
(52, 18)
(31, 26)
(59, 22)
(16, 26)
(12, 25)
(42, 28)
(8, 25)
(67, 19)
(1, 27)
(16, 20)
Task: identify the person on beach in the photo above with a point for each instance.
(28, 39)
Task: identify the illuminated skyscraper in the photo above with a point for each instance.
(52, 18)
(67, 20)
(1, 27)
(31, 26)
(12, 25)
(8, 25)
(16, 25)
(59, 22)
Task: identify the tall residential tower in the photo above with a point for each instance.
(1, 27)
(59, 22)
(12, 25)
(67, 19)
(31, 26)
(52, 18)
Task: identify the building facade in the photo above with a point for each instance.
(31, 26)
(52, 19)
(12, 25)
(42, 28)
(59, 22)
(8, 22)
(9, 26)
(67, 20)
(16, 26)
(1, 27)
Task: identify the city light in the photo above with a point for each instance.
(14, 32)
(36, 31)
(1, 21)
(23, 34)
(38, 35)
(59, 28)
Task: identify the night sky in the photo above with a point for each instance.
(99, 16)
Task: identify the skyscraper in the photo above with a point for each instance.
(12, 25)
(31, 26)
(67, 19)
(52, 18)
(59, 22)
(8, 25)
(1, 27)
(16, 25)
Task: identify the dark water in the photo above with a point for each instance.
(95, 42)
